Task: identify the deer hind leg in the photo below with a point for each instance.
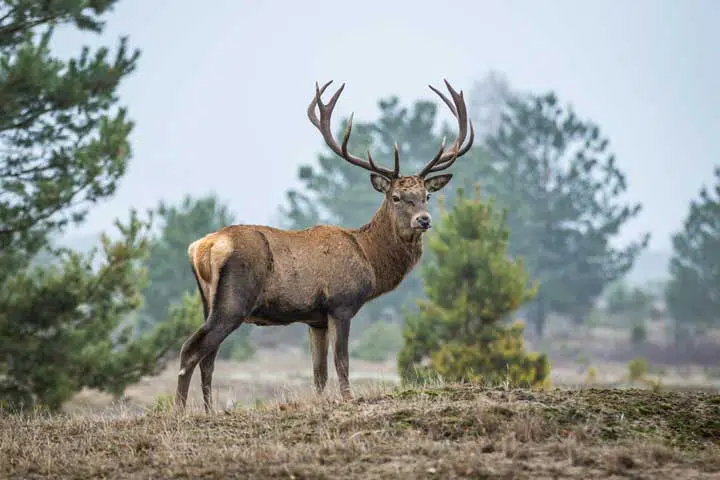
(235, 296)
(202, 343)
(319, 351)
(207, 366)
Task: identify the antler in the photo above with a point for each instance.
(445, 159)
(323, 124)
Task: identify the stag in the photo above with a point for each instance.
(320, 276)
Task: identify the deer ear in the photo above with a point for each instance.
(380, 183)
(433, 184)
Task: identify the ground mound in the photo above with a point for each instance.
(432, 432)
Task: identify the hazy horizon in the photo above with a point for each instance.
(219, 96)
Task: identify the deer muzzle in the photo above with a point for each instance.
(421, 221)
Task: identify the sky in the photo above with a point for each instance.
(220, 94)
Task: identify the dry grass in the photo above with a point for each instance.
(433, 432)
(273, 371)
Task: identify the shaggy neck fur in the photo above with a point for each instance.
(392, 252)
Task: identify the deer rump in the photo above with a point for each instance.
(281, 277)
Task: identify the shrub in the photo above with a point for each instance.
(459, 332)
(638, 368)
(501, 360)
(163, 403)
(591, 376)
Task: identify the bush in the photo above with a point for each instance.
(591, 376)
(638, 368)
(163, 403)
(458, 332)
(378, 342)
(501, 360)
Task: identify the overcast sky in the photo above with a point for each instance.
(220, 94)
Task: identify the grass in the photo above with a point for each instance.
(450, 431)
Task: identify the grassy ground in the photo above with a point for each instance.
(273, 371)
(386, 432)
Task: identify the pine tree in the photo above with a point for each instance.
(64, 139)
(693, 292)
(472, 287)
(66, 324)
(553, 173)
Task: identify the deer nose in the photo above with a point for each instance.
(424, 220)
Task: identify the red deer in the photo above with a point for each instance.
(320, 276)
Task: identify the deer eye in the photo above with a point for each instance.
(427, 197)
(396, 198)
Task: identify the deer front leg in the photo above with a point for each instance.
(341, 327)
(319, 350)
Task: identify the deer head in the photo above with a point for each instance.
(406, 197)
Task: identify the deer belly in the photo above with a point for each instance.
(262, 317)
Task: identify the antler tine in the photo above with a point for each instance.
(458, 108)
(444, 99)
(396, 167)
(455, 154)
(323, 124)
(311, 109)
(460, 113)
(428, 168)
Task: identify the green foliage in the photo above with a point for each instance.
(638, 334)
(64, 146)
(553, 173)
(163, 403)
(591, 376)
(337, 192)
(472, 286)
(169, 268)
(66, 322)
(68, 326)
(64, 140)
(655, 384)
(378, 342)
(500, 360)
(629, 301)
(693, 292)
(638, 368)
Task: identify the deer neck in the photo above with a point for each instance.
(391, 254)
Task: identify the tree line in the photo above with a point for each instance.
(539, 237)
